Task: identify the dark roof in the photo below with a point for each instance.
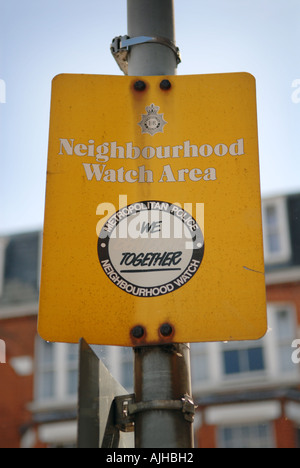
(293, 203)
(21, 269)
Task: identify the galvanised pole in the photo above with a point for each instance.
(162, 373)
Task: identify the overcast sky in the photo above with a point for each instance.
(42, 38)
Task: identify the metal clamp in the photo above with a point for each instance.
(120, 47)
(126, 408)
(188, 408)
(123, 419)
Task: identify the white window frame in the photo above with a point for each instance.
(60, 366)
(273, 346)
(284, 254)
(253, 438)
(200, 350)
(127, 357)
(241, 346)
(272, 373)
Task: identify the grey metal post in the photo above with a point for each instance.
(151, 18)
(161, 372)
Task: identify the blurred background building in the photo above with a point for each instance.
(248, 393)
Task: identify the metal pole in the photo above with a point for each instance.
(151, 18)
(161, 372)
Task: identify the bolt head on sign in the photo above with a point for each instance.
(152, 228)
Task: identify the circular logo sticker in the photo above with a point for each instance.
(150, 248)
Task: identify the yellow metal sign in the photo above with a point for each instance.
(152, 221)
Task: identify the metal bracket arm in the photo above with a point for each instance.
(120, 47)
(126, 409)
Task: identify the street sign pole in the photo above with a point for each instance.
(153, 19)
(161, 373)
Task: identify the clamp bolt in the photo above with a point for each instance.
(138, 332)
(166, 330)
(140, 85)
(165, 85)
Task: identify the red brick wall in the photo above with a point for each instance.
(285, 433)
(15, 391)
(289, 292)
(206, 437)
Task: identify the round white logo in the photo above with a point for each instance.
(150, 248)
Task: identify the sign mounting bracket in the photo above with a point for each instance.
(126, 409)
(120, 48)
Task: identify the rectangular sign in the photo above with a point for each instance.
(152, 227)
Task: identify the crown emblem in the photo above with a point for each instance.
(152, 122)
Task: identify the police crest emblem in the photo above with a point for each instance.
(152, 122)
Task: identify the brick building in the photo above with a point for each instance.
(248, 393)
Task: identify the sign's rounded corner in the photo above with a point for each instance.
(262, 331)
(248, 76)
(43, 334)
(58, 77)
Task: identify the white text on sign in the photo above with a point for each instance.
(111, 151)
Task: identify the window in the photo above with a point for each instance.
(284, 333)
(199, 362)
(57, 371)
(46, 371)
(246, 436)
(273, 233)
(243, 357)
(102, 352)
(267, 360)
(267, 357)
(127, 378)
(275, 229)
(71, 369)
